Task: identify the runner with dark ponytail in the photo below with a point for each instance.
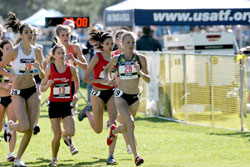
(26, 59)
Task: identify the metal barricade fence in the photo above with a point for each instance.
(201, 89)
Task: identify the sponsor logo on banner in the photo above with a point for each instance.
(118, 17)
(193, 17)
(222, 15)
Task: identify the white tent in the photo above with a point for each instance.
(178, 12)
(38, 18)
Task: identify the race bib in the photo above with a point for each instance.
(27, 66)
(95, 92)
(128, 71)
(61, 90)
(14, 92)
(118, 92)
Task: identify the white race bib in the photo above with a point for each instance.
(128, 72)
(95, 92)
(14, 92)
(61, 90)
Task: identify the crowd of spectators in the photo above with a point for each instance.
(241, 33)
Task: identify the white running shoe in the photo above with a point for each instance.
(129, 150)
(11, 157)
(107, 125)
(53, 162)
(4, 125)
(73, 149)
(8, 131)
(19, 163)
(8, 126)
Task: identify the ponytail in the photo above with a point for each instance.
(14, 23)
(97, 37)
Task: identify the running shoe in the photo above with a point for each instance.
(4, 125)
(19, 163)
(82, 114)
(11, 157)
(107, 125)
(138, 161)
(53, 162)
(111, 161)
(73, 149)
(129, 150)
(111, 136)
(8, 132)
(67, 140)
(36, 130)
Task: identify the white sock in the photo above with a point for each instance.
(11, 154)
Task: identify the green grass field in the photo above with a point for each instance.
(161, 143)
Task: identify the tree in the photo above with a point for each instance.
(25, 8)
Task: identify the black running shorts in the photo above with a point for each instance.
(60, 109)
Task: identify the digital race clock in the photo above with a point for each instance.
(80, 22)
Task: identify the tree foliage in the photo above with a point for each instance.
(25, 8)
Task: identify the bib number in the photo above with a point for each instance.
(95, 92)
(14, 92)
(61, 90)
(118, 92)
(128, 72)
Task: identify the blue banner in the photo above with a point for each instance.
(119, 18)
(192, 17)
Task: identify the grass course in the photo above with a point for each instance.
(161, 143)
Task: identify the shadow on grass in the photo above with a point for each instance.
(6, 164)
(60, 163)
(39, 160)
(151, 119)
(86, 163)
(44, 116)
(241, 134)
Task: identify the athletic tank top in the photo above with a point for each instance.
(125, 68)
(98, 72)
(70, 50)
(23, 63)
(60, 91)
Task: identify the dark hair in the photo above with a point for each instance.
(97, 37)
(147, 30)
(57, 45)
(2, 44)
(14, 23)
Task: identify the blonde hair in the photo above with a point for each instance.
(128, 33)
(59, 29)
(119, 32)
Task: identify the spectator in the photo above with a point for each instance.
(147, 42)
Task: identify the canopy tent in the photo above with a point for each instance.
(38, 18)
(178, 12)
